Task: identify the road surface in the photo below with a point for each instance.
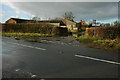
(50, 59)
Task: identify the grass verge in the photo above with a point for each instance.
(100, 43)
(25, 36)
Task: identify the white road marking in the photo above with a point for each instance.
(27, 46)
(33, 76)
(17, 70)
(96, 59)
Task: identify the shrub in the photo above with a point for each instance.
(59, 31)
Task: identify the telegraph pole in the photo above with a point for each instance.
(94, 27)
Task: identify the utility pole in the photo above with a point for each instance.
(94, 21)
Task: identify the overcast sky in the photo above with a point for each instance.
(101, 11)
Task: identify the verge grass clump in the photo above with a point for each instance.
(110, 44)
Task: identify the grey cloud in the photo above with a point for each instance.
(81, 10)
(61, 0)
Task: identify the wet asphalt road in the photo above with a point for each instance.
(55, 60)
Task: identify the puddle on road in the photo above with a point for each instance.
(18, 73)
(15, 70)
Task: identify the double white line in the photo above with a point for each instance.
(28, 46)
(96, 59)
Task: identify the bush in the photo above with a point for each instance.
(59, 31)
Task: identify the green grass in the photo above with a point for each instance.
(18, 36)
(103, 43)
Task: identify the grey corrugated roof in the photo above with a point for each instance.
(61, 21)
(21, 20)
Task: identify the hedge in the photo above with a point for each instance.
(104, 32)
(41, 28)
(29, 28)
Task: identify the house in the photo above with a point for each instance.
(70, 24)
(65, 23)
(83, 25)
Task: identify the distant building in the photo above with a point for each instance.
(94, 24)
(83, 25)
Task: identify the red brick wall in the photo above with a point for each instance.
(3, 27)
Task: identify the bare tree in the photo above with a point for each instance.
(36, 18)
(116, 23)
(68, 15)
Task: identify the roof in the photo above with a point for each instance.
(59, 20)
(53, 21)
(21, 20)
(62, 22)
(65, 20)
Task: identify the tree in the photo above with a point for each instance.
(116, 23)
(36, 18)
(68, 15)
(107, 24)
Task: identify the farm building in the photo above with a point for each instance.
(70, 24)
